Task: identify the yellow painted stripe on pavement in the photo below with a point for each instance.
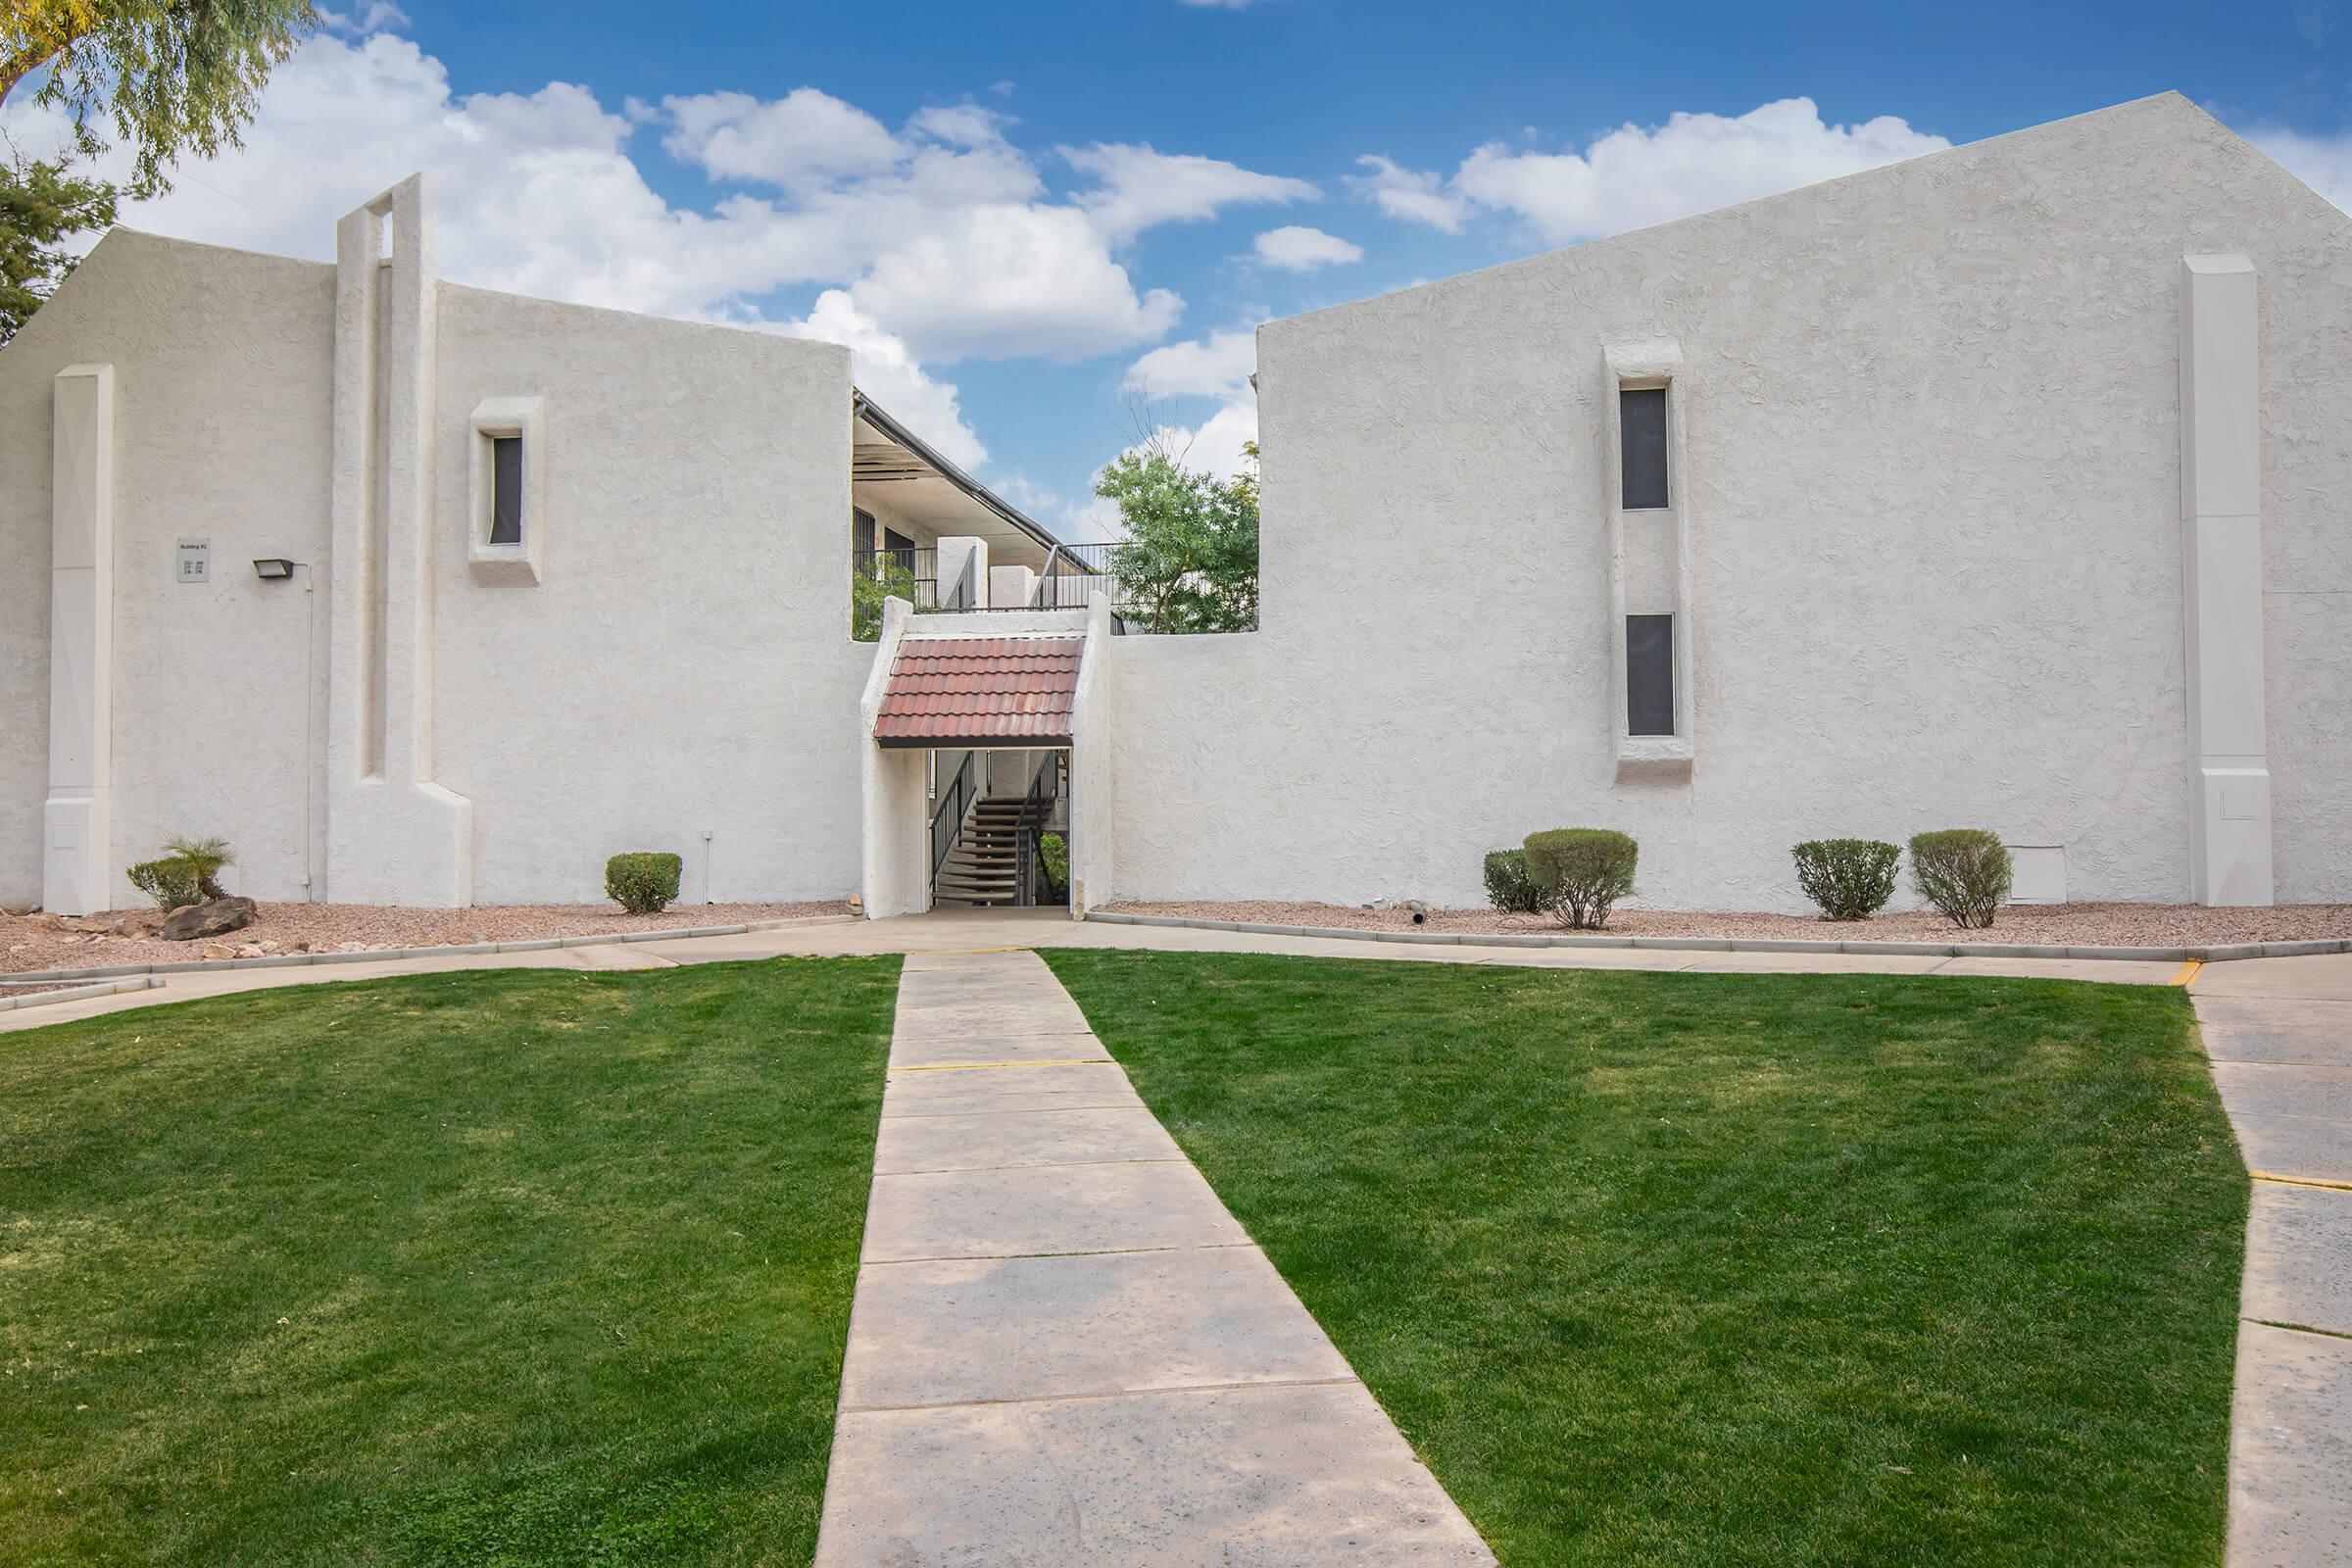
(2300, 1181)
(2186, 972)
(980, 1066)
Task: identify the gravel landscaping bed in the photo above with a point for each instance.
(67, 942)
(2120, 925)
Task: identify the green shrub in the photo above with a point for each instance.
(1964, 871)
(187, 872)
(1508, 886)
(1579, 872)
(887, 579)
(170, 883)
(1851, 879)
(642, 884)
(1055, 850)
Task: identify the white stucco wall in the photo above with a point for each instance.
(685, 664)
(1932, 447)
(222, 362)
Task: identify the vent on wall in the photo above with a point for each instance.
(2040, 873)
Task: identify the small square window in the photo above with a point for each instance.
(1642, 450)
(1649, 674)
(506, 490)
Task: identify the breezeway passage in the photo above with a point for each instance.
(1064, 1348)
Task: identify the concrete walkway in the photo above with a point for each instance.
(2279, 1034)
(1064, 1351)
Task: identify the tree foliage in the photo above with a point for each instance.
(172, 77)
(42, 206)
(1189, 562)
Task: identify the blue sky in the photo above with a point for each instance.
(1021, 216)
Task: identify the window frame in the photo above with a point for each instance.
(496, 420)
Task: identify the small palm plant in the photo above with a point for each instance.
(203, 860)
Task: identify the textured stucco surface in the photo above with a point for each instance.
(221, 366)
(1933, 450)
(685, 664)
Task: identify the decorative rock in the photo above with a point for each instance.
(214, 950)
(215, 917)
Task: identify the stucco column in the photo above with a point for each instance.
(895, 800)
(955, 555)
(77, 824)
(394, 835)
(2220, 547)
(1092, 798)
(1010, 587)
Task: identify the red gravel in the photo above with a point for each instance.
(2122, 925)
(58, 942)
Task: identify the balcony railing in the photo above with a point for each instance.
(922, 564)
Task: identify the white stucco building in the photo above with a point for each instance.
(2006, 487)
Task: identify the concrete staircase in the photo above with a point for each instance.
(980, 871)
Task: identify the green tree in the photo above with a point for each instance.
(42, 204)
(174, 76)
(1189, 562)
(869, 585)
(170, 77)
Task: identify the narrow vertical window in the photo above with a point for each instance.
(861, 531)
(1649, 674)
(1641, 430)
(506, 489)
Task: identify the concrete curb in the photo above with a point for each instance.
(290, 961)
(103, 987)
(2211, 954)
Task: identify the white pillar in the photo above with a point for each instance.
(393, 834)
(2220, 547)
(955, 555)
(1010, 587)
(894, 807)
(1092, 786)
(75, 823)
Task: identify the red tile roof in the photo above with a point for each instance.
(959, 691)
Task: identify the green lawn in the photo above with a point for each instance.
(489, 1268)
(1756, 1269)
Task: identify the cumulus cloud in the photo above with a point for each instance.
(1138, 188)
(885, 371)
(1299, 249)
(931, 241)
(1417, 195)
(1636, 175)
(804, 138)
(1215, 366)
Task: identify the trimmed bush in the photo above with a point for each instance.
(1054, 851)
(1508, 886)
(644, 883)
(1579, 872)
(1964, 871)
(1851, 879)
(169, 881)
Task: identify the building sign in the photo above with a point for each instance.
(195, 559)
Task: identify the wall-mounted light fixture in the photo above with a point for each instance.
(275, 568)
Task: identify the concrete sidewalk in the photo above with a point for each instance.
(1064, 1351)
(2279, 1035)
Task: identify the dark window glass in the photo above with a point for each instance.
(861, 531)
(1642, 421)
(505, 493)
(1649, 674)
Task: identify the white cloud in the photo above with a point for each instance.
(1216, 367)
(1002, 281)
(885, 371)
(1637, 175)
(2324, 163)
(1416, 195)
(803, 139)
(1299, 249)
(1139, 187)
